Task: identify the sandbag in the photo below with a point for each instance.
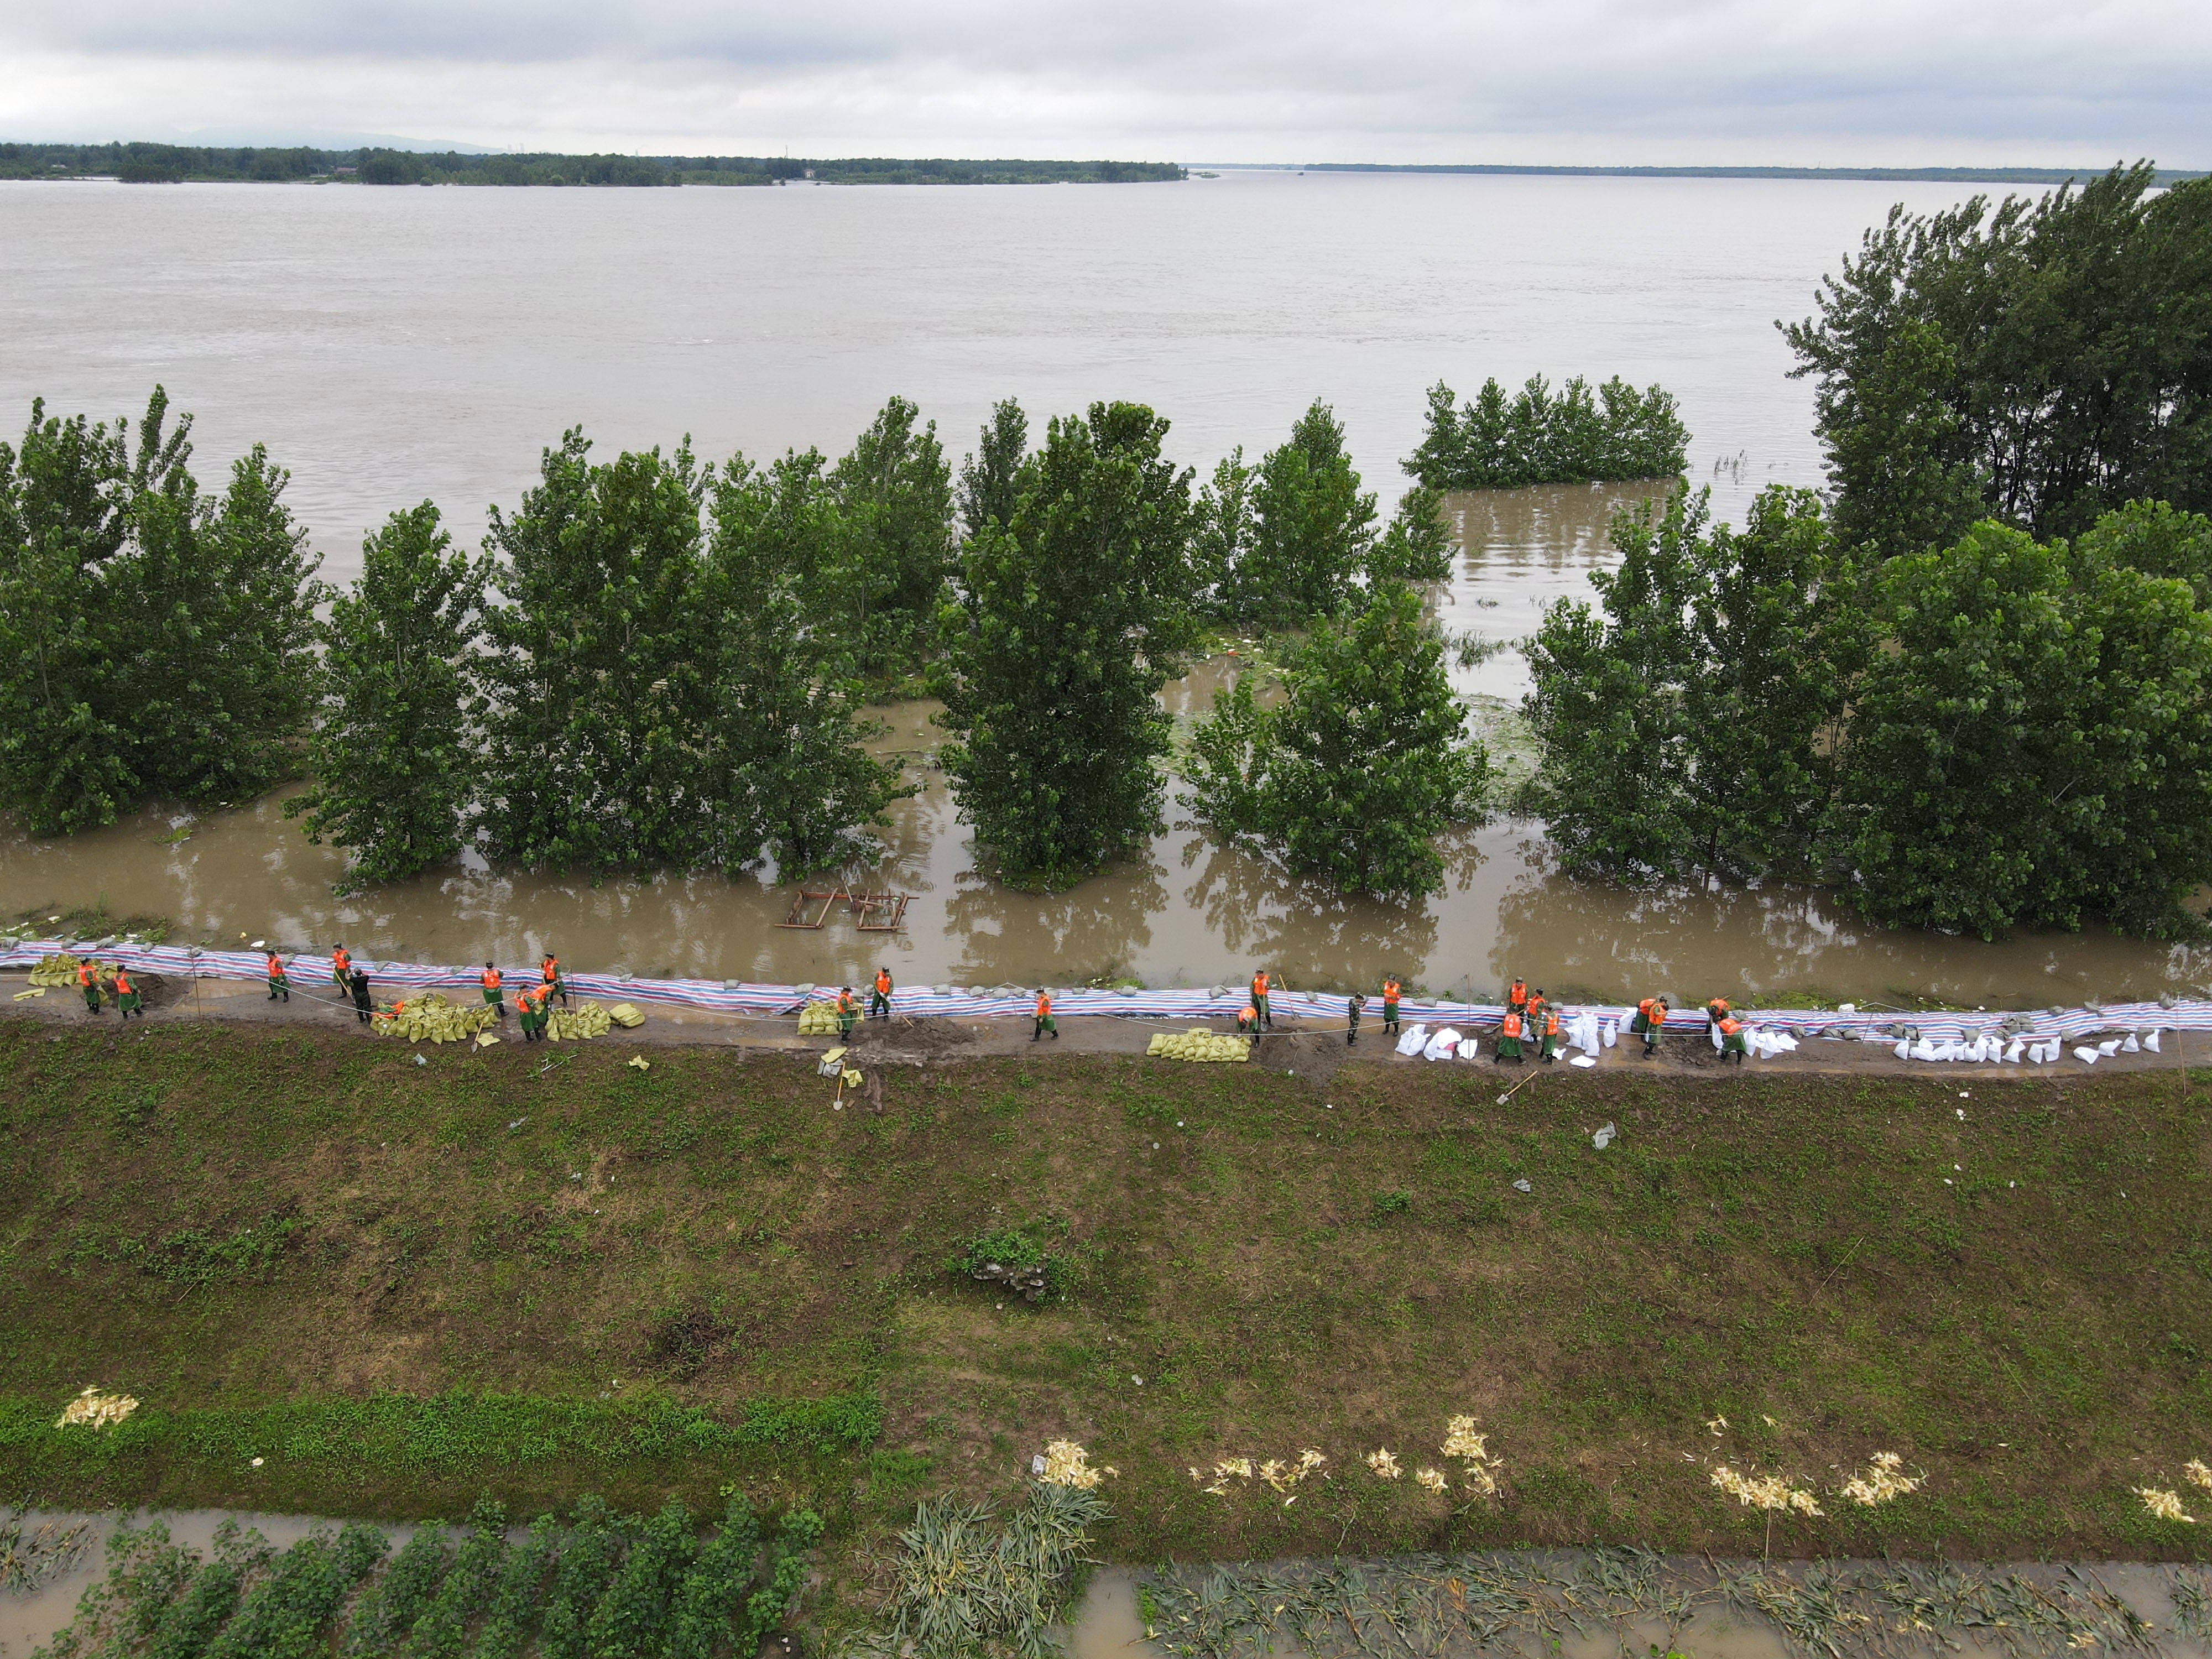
(1611, 1033)
(1441, 1046)
(2151, 1042)
(2086, 1056)
(1412, 1039)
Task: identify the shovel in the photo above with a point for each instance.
(1516, 1088)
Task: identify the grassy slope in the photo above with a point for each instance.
(1754, 1246)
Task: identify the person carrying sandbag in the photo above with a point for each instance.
(1044, 1020)
(1509, 1040)
(1732, 1041)
(1715, 1011)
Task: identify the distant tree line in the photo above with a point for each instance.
(659, 663)
(1540, 436)
(151, 163)
(1972, 687)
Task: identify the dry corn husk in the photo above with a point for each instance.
(1770, 1493)
(1067, 1464)
(95, 1410)
(1200, 1045)
(2166, 1505)
(1885, 1479)
(431, 1017)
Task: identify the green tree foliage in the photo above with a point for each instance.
(1363, 764)
(1539, 436)
(151, 639)
(2037, 745)
(1311, 532)
(1697, 722)
(1417, 546)
(2041, 362)
(990, 478)
(893, 491)
(789, 774)
(1222, 526)
(2158, 540)
(596, 695)
(391, 755)
(1071, 615)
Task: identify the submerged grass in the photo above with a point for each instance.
(399, 1285)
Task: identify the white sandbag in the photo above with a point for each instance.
(1470, 1049)
(1611, 1033)
(1411, 1039)
(1924, 1049)
(2132, 1047)
(1784, 1043)
(1583, 1034)
(1443, 1046)
(2151, 1041)
(1582, 1060)
(2086, 1056)
(1714, 1029)
(2108, 1049)
(1904, 1050)
(2013, 1053)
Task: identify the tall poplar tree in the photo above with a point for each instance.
(390, 757)
(1071, 615)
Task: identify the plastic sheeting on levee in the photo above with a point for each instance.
(1014, 1002)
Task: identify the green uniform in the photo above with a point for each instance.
(1389, 1012)
(279, 987)
(1352, 1022)
(1509, 1047)
(92, 996)
(1551, 1046)
(1732, 1043)
(849, 1014)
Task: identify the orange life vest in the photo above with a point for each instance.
(340, 961)
(1718, 1005)
(1250, 1016)
(883, 981)
(122, 982)
(845, 1002)
(550, 967)
(490, 978)
(1518, 996)
(1550, 1025)
(1729, 1025)
(1512, 1026)
(1259, 984)
(1649, 1009)
(1389, 991)
(276, 966)
(85, 975)
(1044, 1007)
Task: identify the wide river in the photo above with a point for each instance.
(394, 344)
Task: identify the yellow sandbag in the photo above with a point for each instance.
(627, 1015)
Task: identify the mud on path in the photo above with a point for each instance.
(1309, 1050)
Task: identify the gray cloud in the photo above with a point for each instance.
(1928, 81)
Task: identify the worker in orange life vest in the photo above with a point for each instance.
(1045, 1022)
(279, 984)
(492, 995)
(87, 979)
(1509, 1039)
(1259, 999)
(880, 1003)
(342, 970)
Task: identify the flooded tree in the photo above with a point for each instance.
(1364, 764)
(1295, 543)
(1070, 615)
(390, 752)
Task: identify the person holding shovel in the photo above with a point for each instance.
(848, 1011)
(341, 969)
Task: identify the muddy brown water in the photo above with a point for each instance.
(1186, 912)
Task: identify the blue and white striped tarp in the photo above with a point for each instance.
(732, 997)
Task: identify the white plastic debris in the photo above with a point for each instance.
(1470, 1049)
(1582, 1060)
(1847, 1007)
(1603, 1138)
(1523, 1185)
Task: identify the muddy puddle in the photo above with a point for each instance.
(1186, 912)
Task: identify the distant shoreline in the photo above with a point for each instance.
(1879, 175)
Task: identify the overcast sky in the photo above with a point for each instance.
(1797, 81)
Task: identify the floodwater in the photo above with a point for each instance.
(1187, 911)
(392, 344)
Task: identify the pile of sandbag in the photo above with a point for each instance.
(60, 968)
(818, 1019)
(1200, 1044)
(1444, 1045)
(1412, 1039)
(586, 1021)
(431, 1017)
